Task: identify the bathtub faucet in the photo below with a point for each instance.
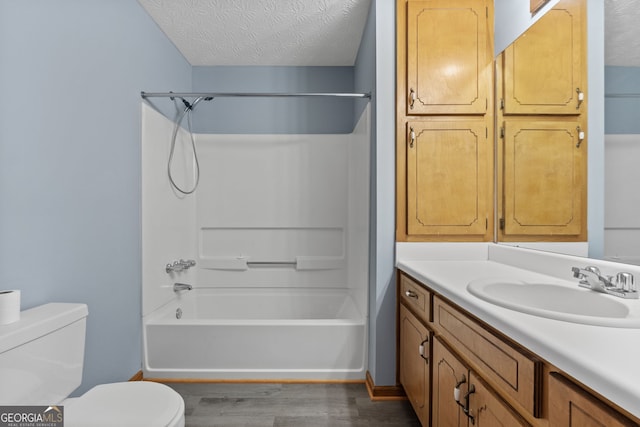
(179, 266)
(181, 287)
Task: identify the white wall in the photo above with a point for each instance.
(261, 198)
(358, 209)
(622, 199)
(272, 198)
(168, 217)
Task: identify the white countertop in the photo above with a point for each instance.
(606, 359)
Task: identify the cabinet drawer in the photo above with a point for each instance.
(510, 371)
(415, 296)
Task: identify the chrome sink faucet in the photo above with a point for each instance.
(591, 278)
(622, 285)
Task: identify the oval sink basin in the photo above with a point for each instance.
(556, 302)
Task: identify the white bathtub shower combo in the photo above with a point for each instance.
(278, 229)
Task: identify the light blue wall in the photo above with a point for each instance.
(70, 76)
(595, 136)
(622, 115)
(274, 115)
(375, 68)
(365, 81)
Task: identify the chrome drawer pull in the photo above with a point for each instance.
(411, 294)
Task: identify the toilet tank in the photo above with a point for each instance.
(42, 354)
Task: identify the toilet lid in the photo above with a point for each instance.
(126, 404)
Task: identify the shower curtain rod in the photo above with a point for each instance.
(249, 95)
(622, 95)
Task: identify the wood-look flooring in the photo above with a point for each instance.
(288, 405)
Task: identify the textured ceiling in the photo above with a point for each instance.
(622, 33)
(317, 32)
(263, 32)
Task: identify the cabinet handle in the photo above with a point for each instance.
(421, 349)
(412, 137)
(456, 396)
(411, 294)
(580, 98)
(456, 390)
(465, 408)
(412, 98)
(580, 136)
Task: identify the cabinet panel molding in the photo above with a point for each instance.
(448, 64)
(544, 184)
(448, 371)
(488, 411)
(572, 407)
(448, 178)
(544, 68)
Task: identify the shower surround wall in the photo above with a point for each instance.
(622, 152)
(281, 217)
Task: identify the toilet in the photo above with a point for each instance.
(41, 361)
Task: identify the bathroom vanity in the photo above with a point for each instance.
(465, 361)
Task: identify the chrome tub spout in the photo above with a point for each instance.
(181, 287)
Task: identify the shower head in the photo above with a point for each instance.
(186, 104)
(197, 101)
(190, 106)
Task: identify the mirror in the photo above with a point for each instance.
(512, 18)
(614, 128)
(622, 131)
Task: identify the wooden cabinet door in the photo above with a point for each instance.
(544, 180)
(414, 363)
(449, 178)
(487, 410)
(543, 68)
(448, 60)
(571, 407)
(448, 371)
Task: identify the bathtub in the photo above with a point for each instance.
(213, 333)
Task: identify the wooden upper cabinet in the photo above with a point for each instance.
(445, 120)
(544, 184)
(544, 67)
(449, 173)
(448, 63)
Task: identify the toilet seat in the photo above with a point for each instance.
(126, 404)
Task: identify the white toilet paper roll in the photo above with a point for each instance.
(9, 307)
